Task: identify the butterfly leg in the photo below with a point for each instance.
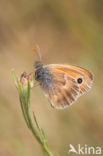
(35, 83)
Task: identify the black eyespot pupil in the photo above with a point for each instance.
(79, 80)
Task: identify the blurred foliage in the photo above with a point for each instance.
(67, 32)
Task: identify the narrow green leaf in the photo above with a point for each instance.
(17, 83)
(36, 122)
(43, 134)
(14, 77)
(28, 94)
(24, 112)
(20, 89)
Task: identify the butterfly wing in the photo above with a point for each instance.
(77, 72)
(64, 89)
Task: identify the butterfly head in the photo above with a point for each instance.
(38, 64)
(39, 70)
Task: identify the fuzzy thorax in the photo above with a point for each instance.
(42, 74)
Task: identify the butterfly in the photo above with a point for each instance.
(62, 84)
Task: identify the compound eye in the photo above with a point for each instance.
(79, 80)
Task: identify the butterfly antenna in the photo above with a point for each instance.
(36, 49)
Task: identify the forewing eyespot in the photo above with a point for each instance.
(79, 80)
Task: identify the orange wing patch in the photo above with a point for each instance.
(77, 72)
(73, 70)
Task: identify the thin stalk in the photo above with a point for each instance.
(24, 97)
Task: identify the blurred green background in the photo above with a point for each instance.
(67, 32)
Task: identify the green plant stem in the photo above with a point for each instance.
(24, 97)
(29, 123)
